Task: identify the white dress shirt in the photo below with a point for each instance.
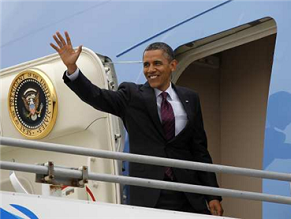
(179, 112)
(173, 99)
(73, 76)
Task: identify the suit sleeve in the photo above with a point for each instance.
(200, 152)
(114, 102)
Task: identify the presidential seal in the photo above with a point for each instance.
(32, 103)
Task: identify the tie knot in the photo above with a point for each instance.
(164, 95)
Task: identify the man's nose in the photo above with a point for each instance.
(151, 69)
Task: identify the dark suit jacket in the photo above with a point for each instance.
(136, 105)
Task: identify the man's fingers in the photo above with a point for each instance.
(79, 50)
(68, 38)
(61, 38)
(216, 210)
(57, 41)
(55, 47)
(213, 211)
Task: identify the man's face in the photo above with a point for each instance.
(157, 69)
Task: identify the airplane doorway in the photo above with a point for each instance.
(232, 79)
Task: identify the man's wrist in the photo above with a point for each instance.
(71, 69)
(73, 76)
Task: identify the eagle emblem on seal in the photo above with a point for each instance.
(31, 101)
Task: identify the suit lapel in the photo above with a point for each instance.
(185, 102)
(149, 96)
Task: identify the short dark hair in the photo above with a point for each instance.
(168, 51)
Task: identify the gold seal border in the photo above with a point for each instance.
(53, 98)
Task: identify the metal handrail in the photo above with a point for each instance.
(144, 159)
(182, 187)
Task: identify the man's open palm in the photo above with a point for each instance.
(65, 49)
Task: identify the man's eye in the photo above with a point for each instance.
(145, 64)
(157, 63)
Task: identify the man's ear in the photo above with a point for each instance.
(173, 64)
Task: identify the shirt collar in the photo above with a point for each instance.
(169, 91)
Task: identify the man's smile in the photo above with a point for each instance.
(153, 76)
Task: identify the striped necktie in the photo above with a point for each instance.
(168, 118)
(168, 123)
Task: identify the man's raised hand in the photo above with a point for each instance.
(65, 49)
